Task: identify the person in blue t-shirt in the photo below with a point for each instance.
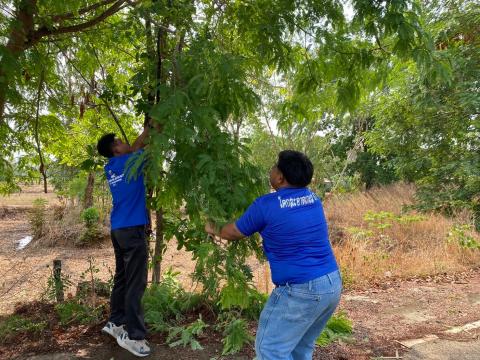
(292, 224)
(129, 219)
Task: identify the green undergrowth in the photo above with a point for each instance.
(185, 317)
(16, 324)
(339, 327)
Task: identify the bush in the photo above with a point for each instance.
(90, 217)
(92, 234)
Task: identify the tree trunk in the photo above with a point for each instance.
(88, 197)
(16, 45)
(159, 247)
(156, 78)
(42, 169)
(44, 176)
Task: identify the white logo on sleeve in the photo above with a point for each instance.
(114, 179)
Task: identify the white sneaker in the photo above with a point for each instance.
(136, 347)
(111, 329)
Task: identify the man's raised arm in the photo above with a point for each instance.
(140, 141)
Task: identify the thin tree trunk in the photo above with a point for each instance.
(160, 77)
(42, 169)
(146, 122)
(159, 247)
(88, 197)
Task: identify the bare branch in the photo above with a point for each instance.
(85, 10)
(105, 102)
(44, 31)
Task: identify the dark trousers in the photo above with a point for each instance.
(130, 280)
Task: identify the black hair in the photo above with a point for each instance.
(105, 145)
(296, 167)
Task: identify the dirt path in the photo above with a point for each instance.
(399, 312)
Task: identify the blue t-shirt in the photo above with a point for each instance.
(128, 192)
(295, 234)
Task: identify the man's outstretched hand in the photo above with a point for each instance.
(228, 232)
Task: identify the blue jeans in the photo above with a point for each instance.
(294, 316)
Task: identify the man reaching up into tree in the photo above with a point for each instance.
(304, 270)
(129, 219)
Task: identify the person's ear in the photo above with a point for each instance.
(114, 150)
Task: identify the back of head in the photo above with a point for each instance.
(296, 167)
(105, 145)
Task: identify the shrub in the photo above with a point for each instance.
(92, 234)
(37, 217)
(462, 235)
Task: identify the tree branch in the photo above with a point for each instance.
(105, 102)
(87, 9)
(44, 31)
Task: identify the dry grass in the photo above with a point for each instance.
(28, 194)
(63, 227)
(375, 238)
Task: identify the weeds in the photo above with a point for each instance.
(167, 306)
(166, 303)
(16, 324)
(73, 311)
(187, 335)
(90, 286)
(338, 327)
(236, 336)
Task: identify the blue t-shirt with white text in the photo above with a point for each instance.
(292, 224)
(128, 192)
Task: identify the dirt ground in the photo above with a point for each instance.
(384, 314)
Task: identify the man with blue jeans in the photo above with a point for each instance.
(129, 219)
(295, 240)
